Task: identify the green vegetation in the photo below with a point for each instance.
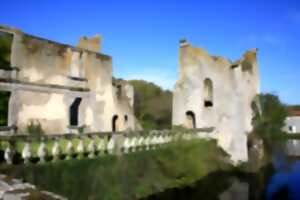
(153, 105)
(130, 176)
(34, 129)
(269, 116)
(5, 49)
(4, 99)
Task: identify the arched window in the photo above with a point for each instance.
(74, 108)
(208, 93)
(115, 123)
(190, 119)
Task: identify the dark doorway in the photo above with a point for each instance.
(191, 120)
(114, 123)
(74, 112)
(4, 104)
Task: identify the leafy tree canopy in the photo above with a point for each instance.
(152, 105)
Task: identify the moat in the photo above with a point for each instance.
(164, 174)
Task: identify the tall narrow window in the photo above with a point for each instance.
(77, 68)
(4, 102)
(208, 93)
(190, 119)
(115, 123)
(74, 112)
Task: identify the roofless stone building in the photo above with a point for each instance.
(212, 91)
(60, 87)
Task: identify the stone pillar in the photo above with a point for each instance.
(56, 150)
(42, 151)
(9, 152)
(26, 153)
(13, 108)
(69, 149)
(92, 147)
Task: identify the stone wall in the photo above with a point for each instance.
(50, 76)
(214, 92)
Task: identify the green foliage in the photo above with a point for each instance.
(5, 49)
(81, 130)
(153, 105)
(34, 129)
(269, 115)
(130, 176)
(4, 99)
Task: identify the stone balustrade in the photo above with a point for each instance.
(70, 146)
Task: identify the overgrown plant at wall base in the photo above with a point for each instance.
(130, 176)
(35, 128)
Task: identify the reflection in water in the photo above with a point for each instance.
(285, 183)
(279, 181)
(238, 190)
(217, 186)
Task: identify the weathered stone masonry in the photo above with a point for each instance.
(212, 91)
(64, 87)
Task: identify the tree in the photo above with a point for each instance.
(269, 115)
(152, 105)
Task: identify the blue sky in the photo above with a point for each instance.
(142, 35)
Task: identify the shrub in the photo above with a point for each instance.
(269, 115)
(34, 129)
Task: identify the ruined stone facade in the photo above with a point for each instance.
(212, 91)
(63, 88)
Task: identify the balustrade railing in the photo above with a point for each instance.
(28, 148)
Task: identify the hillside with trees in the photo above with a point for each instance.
(153, 105)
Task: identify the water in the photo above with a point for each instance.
(280, 180)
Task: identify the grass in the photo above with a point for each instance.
(130, 176)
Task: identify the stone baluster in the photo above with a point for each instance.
(140, 143)
(26, 153)
(42, 151)
(133, 144)
(92, 148)
(70, 149)
(80, 147)
(158, 144)
(9, 152)
(147, 142)
(56, 150)
(155, 141)
(126, 145)
(101, 145)
(111, 145)
(161, 140)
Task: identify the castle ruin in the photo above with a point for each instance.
(212, 91)
(63, 89)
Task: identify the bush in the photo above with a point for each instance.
(152, 105)
(269, 116)
(34, 129)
